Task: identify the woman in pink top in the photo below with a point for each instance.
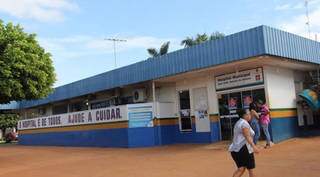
(265, 121)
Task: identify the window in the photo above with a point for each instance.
(185, 117)
(60, 109)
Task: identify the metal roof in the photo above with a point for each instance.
(261, 40)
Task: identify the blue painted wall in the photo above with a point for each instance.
(141, 137)
(123, 137)
(171, 134)
(284, 128)
(99, 138)
(215, 132)
(165, 134)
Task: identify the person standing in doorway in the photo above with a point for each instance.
(254, 122)
(242, 147)
(265, 121)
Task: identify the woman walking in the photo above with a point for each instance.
(242, 147)
(265, 121)
(254, 122)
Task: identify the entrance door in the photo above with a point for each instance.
(229, 103)
(185, 116)
(228, 106)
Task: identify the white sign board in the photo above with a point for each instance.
(239, 79)
(140, 115)
(111, 114)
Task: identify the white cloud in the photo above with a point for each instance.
(296, 6)
(72, 47)
(41, 10)
(297, 24)
(134, 42)
(289, 6)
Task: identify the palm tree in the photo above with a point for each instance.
(153, 52)
(200, 38)
(189, 41)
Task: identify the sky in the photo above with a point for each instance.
(73, 31)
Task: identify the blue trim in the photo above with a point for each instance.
(261, 40)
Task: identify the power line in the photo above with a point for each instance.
(114, 40)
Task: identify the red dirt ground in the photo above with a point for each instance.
(294, 158)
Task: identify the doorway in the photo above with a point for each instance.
(230, 103)
(185, 121)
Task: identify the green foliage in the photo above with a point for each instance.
(8, 120)
(163, 50)
(153, 52)
(200, 38)
(26, 70)
(216, 35)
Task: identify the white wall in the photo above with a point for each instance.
(280, 87)
(198, 82)
(165, 110)
(165, 94)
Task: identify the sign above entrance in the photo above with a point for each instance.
(239, 79)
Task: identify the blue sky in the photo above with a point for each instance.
(73, 30)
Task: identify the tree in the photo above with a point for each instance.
(216, 35)
(163, 50)
(26, 68)
(8, 121)
(200, 38)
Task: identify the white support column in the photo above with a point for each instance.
(154, 99)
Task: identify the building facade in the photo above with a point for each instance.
(187, 96)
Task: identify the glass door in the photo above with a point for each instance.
(228, 106)
(229, 103)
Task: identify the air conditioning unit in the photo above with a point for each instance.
(139, 95)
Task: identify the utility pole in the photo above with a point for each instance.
(114, 40)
